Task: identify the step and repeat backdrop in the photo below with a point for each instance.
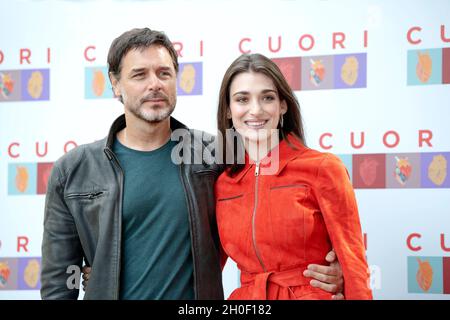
(372, 78)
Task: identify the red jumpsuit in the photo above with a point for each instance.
(273, 226)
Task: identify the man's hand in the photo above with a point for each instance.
(86, 273)
(328, 278)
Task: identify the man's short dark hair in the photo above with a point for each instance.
(137, 39)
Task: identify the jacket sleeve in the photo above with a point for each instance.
(223, 257)
(338, 205)
(61, 246)
(222, 254)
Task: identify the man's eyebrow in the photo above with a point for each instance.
(136, 70)
(165, 68)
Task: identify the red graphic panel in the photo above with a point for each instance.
(43, 174)
(369, 171)
(446, 65)
(446, 274)
(290, 67)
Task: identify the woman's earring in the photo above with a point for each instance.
(232, 125)
(281, 121)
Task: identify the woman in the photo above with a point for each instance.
(286, 205)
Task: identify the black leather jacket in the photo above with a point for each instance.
(83, 211)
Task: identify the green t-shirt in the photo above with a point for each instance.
(156, 242)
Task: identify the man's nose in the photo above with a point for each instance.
(154, 83)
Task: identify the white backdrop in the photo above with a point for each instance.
(55, 45)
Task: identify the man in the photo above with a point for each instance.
(144, 224)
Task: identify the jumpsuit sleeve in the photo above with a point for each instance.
(337, 203)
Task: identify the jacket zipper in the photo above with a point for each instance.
(258, 255)
(191, 231)
(89, 195)
(119, 258)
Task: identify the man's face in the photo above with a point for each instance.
(147, 83)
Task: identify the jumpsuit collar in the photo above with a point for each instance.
(287, 152)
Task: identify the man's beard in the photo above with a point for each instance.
(155, 115)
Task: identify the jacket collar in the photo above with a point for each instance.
(286, 151)
(120, 123)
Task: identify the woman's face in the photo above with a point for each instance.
(255, 107)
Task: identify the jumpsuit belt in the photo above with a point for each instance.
(285, 279)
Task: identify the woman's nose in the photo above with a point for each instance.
(255, 107)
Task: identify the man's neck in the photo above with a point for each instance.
(144, 136)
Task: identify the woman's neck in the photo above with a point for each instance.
(258, 150)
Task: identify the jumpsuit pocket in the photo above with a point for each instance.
(231, 198)
(287, 215)
(234, 224)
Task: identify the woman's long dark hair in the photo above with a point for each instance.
(292, 122)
